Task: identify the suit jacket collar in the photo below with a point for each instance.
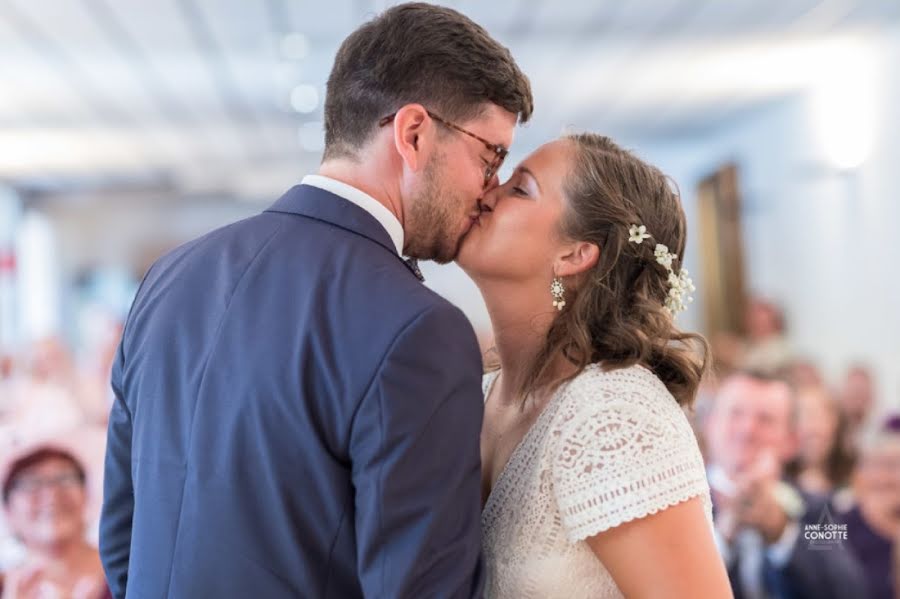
(388, 219)
(316, 203)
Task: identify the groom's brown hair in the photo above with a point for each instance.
(416, 52)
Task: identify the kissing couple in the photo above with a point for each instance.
(297, 415)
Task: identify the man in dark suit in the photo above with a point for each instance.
(761, 519)
(296, 415)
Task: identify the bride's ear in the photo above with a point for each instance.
(578, 257)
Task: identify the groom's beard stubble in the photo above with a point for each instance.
(435, 228)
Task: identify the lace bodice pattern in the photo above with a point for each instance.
(608, 448)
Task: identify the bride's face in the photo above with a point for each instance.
(517, 236)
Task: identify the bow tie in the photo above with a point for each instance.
(413, 265)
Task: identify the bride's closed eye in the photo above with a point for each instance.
(517, 185)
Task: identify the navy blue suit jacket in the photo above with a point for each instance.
(811, 573)
(296, 415)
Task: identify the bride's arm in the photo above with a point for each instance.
(667, 554)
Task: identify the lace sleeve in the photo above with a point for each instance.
(626, 450)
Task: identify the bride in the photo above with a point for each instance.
(593, 484)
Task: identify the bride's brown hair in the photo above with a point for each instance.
(615, 312)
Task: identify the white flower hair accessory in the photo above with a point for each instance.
(680, 284)
(638, 234)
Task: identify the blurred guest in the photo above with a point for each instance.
(45, 500)
(50, 361)
(873, 518)
(896, 576)
(97, 396)
(764, 346)
(759, 517)
(7, 382)
(728, 351)
(767, 348)
(824, 462)
(7, 367)
(857, 398)
(46, 399)
(53, 364)
(801, 373)
(698, 414)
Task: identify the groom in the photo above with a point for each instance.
(296, 415)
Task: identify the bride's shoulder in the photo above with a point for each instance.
(603, 388)
(622, 403)
(633, 378)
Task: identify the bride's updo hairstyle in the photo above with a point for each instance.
(615, 313)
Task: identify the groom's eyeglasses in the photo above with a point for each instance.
(497, 151)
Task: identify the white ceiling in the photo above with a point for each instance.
(195, 95)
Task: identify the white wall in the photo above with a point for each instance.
(822, 242)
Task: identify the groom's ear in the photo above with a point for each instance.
(410, 126)
(578, 257)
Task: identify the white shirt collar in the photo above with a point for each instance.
(384, 216)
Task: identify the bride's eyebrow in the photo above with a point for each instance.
(524, 169)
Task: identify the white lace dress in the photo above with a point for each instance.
(609, 447)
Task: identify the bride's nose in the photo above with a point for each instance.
(489, 198)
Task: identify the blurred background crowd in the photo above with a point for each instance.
(129, 127)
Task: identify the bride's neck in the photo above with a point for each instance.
(521, 317)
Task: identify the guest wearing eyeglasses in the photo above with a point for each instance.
(45, 504)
